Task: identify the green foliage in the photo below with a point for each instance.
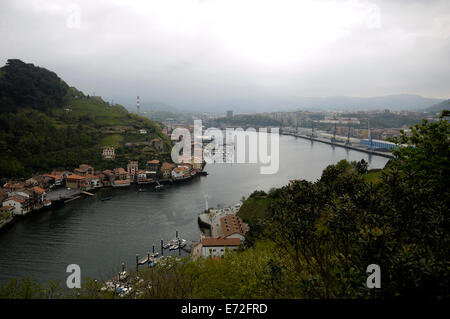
(62, 127)
(26, 86)
(334, 228)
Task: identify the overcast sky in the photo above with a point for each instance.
(242, 54)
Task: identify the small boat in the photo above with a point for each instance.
(166, 245)
(174, 247)
(106, 198)
(154, 255)
(159, 187)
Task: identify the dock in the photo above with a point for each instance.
(347, 146)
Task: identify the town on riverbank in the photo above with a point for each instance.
(20, 198)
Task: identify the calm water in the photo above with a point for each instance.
(99, 236)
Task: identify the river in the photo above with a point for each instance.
(100, 235)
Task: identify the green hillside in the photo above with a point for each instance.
(436, 108)
(45, 125)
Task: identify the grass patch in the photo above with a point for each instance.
(114, 140)
(373, 176)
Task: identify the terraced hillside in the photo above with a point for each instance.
(45, 125)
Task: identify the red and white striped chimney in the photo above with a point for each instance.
(138, 104)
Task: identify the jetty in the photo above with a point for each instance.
(356, 147)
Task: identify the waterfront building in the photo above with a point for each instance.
(216, 247)
(181, 172)
(133, 168)
(21, 204)
(233, 227)
(62, 174)
(121, 174)
(75, 181)
(145, 177)
(56, 180)
(142, 131)
(44, 181)
(166, 170)
(107, 177)
(121, 183)
(377, 144)
(40, 193)
(14, 186)
(94, 181)
(84, 170)
(153, 165)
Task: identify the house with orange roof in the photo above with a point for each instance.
(94, 181)
(21, 204)
(108, 177)
(146, 177)
(232, 226)
(84, 170)
(153, 165)
(75, 181)
(181, 172)
(40, 193)
(14, 186)
(121, 174)
(56, 179)
(166, 170)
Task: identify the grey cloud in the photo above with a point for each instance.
(211, 55)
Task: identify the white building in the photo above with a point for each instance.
(108, 153)
(95, 182)
(19, 203)
(216, 247)
(180, 171)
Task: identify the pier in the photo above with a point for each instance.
(342, 144)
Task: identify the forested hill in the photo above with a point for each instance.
(24, 85)
(45, 124)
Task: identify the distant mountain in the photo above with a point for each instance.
(436, 108)
(272, 103)
(346, 103)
